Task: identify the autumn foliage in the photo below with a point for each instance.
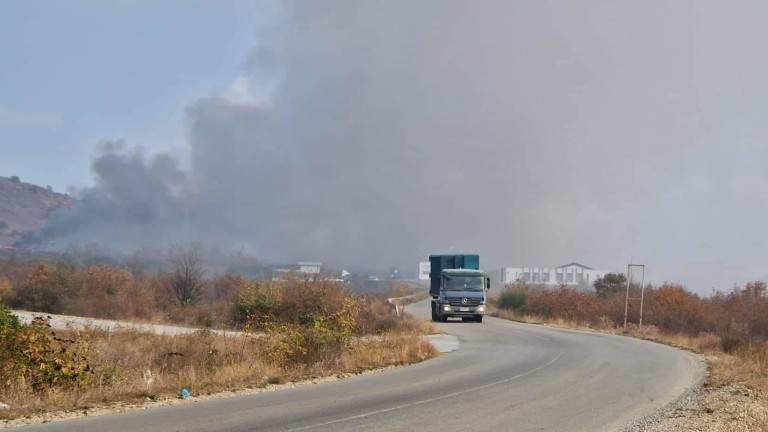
(738, 317)
(291, 329)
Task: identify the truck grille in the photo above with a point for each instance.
(458, 301)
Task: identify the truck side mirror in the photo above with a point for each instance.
(487, 283)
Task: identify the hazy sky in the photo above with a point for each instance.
(532, 132)
(77, 71)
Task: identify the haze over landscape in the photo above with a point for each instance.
(531, 132)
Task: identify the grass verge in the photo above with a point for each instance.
(81, 370)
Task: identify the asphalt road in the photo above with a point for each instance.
(504, 376)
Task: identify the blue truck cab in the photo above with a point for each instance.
(458, 287)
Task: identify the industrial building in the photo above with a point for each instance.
(569, 274)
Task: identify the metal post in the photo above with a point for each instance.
(626, 301)
(642, 292)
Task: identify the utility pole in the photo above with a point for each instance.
(626, 300)
(642, 292)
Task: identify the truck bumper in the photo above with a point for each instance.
(455, 311)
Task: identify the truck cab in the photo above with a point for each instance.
(457, 291)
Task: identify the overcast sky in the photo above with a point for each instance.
(535, 133)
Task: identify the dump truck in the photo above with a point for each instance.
(458, 287)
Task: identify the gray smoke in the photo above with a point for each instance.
(134, 200)
(533, 133)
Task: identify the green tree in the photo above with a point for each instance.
(610, 284)
(512, 300)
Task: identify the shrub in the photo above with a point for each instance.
(673, 309)
(377, 315)
(313, 338)
(732, 343)
(306, 322)
(6, 290)
(512, 300)
(307, 303)
(32, 357)
(255, 304)
(15, 179)
(44, 288)
(103, 292)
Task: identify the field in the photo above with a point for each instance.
(293, 330)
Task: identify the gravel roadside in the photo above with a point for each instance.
(75, 323)
(714, 405)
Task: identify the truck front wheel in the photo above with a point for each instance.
(479, 318)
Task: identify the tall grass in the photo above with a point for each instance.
(135, 367)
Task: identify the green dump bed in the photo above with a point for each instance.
(438, 263)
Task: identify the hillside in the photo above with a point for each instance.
(25, 208)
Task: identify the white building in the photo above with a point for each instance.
(424, 269)
(310, 267)
(301, 270)
(570, 274)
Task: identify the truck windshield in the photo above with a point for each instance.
(464, 283)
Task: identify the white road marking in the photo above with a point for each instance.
(421, 402)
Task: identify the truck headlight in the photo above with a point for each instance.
(446, 308)
(481, 308)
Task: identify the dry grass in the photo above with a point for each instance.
(397, 348)
(133, 367)
(310, 329)
(747, 367)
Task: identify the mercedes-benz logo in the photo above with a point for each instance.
(464, 300)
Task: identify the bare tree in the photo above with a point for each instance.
(135, 264)
(186, 282)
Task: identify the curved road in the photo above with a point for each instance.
(504, 376)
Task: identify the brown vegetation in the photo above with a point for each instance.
(730, 329)
(301, 329)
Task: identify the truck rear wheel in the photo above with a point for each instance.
(434, 313)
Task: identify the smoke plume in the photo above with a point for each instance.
(371, 134)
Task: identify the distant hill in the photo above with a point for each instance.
(25, 208)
